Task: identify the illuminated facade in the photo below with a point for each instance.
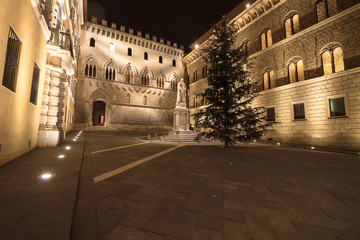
(306, 59)
(38, 59)
(127, 80)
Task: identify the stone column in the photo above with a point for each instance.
(52, 119)
(42, 140)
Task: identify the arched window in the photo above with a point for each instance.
(145, 78)
(146, 56)
(245, 47)
(266, 39)
(174, 63)
(204, 71)
(325, 9)
(296, 71)
(129, 52)
(160, 102)
(160, 81)
(129, 75)
(145, 100)
(333, 60)
(195, 102)
(268, 79)
(292, 25)
(128, 98)
(90, 68)
(92, 42)
(110, 73)
(160, 59)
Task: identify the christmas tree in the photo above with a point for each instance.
(228, 115)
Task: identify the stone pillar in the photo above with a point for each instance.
(42, 140)
(61, 107)
(52, 119)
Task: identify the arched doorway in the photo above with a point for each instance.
(99, 113)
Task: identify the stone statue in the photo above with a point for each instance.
(181, 94)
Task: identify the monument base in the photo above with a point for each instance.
(180, 131)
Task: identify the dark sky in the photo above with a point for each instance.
(182, 22)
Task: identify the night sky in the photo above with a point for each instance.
(182, 22)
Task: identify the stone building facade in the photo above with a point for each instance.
(306, 60)
(127, 80)
(38, 59)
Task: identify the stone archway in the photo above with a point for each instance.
(99, 110)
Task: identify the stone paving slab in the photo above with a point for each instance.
(198, 191)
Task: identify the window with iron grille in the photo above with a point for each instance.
(11, 61)
(35, 84)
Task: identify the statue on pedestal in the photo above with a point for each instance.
(181, 94)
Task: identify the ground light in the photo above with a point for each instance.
(312, 148)
(46, 176)
(74, 140)
(68, 148)
(278, 144)
(61, 156)
(254, 141)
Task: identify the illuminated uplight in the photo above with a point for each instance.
(312, 148)
(46, 176)
(254, 141)
(196, 46)
(61, 156)
(68, 148)
(278, 144)
(247, 5)
(74, 140)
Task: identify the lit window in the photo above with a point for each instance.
(337, 107)
(333, 61)
(299, 111)
(270, 114)
(268, 79)
(11, 60)
(266, 39)
(35, 84)
(296, 71)
(292, 25)
(325, 9)
(112, 47)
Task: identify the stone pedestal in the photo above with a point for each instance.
(180, 132)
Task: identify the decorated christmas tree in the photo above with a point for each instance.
(228, 115)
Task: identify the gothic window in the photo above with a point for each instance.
(174, 63)
(110, 72)
(266, 39)
(160, 82)
(145, 78)
(173, 83)
(160, 59)
(92, 42)
(296, 71)
(325, 9)
(90, 68)
(146, 56)
(129, 75)
(292, 25)
(195, 76)
(333, 61)
(35, 84)
(268, 79)
(128, 98)
(11, 60)
(129, 52)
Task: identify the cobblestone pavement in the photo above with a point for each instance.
(152, 190)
